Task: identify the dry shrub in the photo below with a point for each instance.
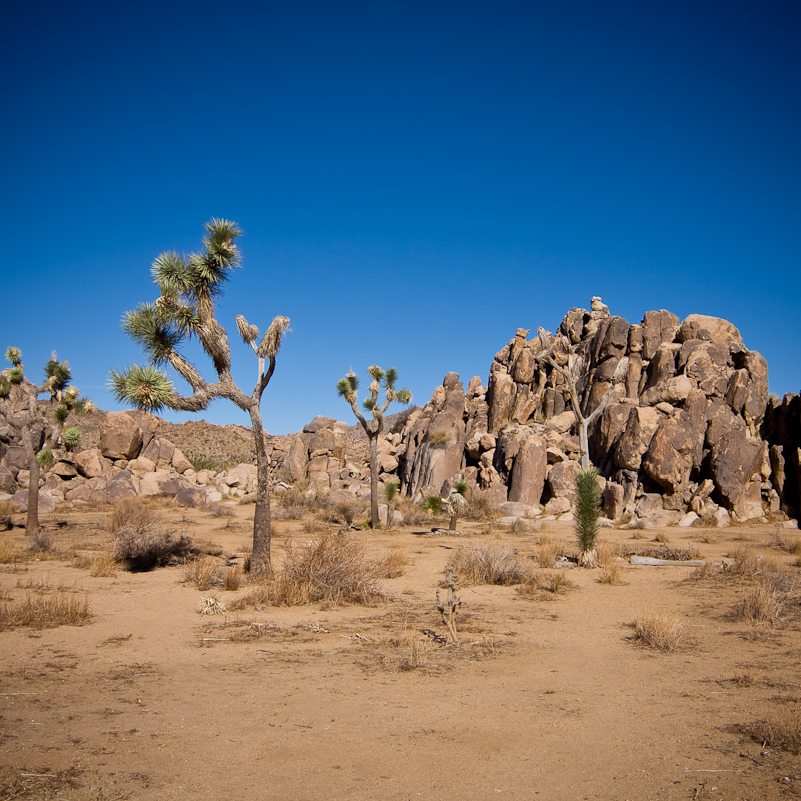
(45, 611)
(201, 572)
(260, 594)
(414, 649)
(612, 574)
(493, 563)
(392, 565)
(345, 512)
(233, 578)
(781, 728)
(413, 514)
(547, 551)
(662, 631)
(745, 679)
(291, 504)
(557, 582)
(481, 505)
(9, 553)
(140, 539)
(331, 568)
(103, 566)
(221, 510)
(662, 537)
(774, 599)
(784, 542)
(41, 540)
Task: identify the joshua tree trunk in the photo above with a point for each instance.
(452, 524)
(374, 519)
(260, 564)
(32, 523)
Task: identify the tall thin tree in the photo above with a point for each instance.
(184, 310)
(348, 388)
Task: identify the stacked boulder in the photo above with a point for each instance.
(683, 432)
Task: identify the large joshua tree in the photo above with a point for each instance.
(189, 287)
(348, 388)
(40, 434)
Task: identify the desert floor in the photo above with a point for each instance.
(547, 695)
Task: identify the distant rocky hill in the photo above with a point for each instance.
(682, 426)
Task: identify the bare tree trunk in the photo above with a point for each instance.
(260, 563)
(452, 524)
(32, 523)
(584, 442)
(374, 520)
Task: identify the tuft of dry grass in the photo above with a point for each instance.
(662, 631)
(662, 537)
(557, 582)
(331, 568)
(200, 572)
(393, 564)
(481, 505)
(233, 578)
(9, 553)
(493, 563)
(780, 728)
(41, 540)
(745, 679)
(414, 649)
(612, 574)
(45, 611)
(547, 551)
(140, 539)
(774, 599)
(786, 542)
(103, 566)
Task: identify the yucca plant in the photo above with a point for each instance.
(348, 387)
(189, 287)
(40, 454)
(455, 502)
(390, 493)
(586, 514)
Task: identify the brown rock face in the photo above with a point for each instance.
(91, 463)
(735, 459)
(500, 399)
(528, 471)
(562, 479)
(120, 436)
(701, 326)
(636, 438)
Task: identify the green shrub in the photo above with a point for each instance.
(586, 513)
(72, 438)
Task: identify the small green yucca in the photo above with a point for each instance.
(586, 513)
(72, 437)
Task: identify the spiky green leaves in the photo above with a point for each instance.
(587, 511)
(376, 373)
(433, 503)
(403, 396)
(14, 355)
(150, 327)
(61, 413)
(45, 458)
(72, 438)
(57, 374)
(16, 374)
(83, 406)
(369, 404)
(348, 386)
(461, 486)
(143, 387)
(5, 387)
(391, 491)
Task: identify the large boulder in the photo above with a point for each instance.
(528, 471)
(90, 463)
(562, 479)
(701, 326)
(635, 440)
(735, 459)
(120, 487)
(120, 436)
(19, 500)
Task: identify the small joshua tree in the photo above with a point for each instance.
(455, 502)
(348, 388)
(390, 493)
(189, 287)
(39, 438)
(586, 512)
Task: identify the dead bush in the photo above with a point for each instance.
(291, 504)
(662, 631)
(41, 540)
(414, 649)
(103, 566)
(392, 565)
(612, 574)
(9, 553)
(775, 598)
(331, 568)
(221, 510)
(141, 542)
(780, 728)
(413, 514)
(547, 551)
(346, 512)
(200, 572)
(233, 578)
(481, 505)
(786, 542)
(45, 611)
(493, 563)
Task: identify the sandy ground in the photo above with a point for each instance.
(547, 695)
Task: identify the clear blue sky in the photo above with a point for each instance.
(415, 180)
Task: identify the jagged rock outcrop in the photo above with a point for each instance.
(686, 424)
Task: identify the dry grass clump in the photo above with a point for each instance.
(331, 568)
(786, 542)
(292, 503)
(493, 563)
(45, 611)
(780, 728)
(221, 510)
(346, 512)
(41, 540)
(414, 649)
(481, 505)
(775, 598)
(547, 551)
(392, 565)
(9, 553)
(201, 572)
(233, 578)
(612, 574)
(662, 631)
(103, 566)
(413, 514)
(141, 541)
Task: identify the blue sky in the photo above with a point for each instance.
(415, 180)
